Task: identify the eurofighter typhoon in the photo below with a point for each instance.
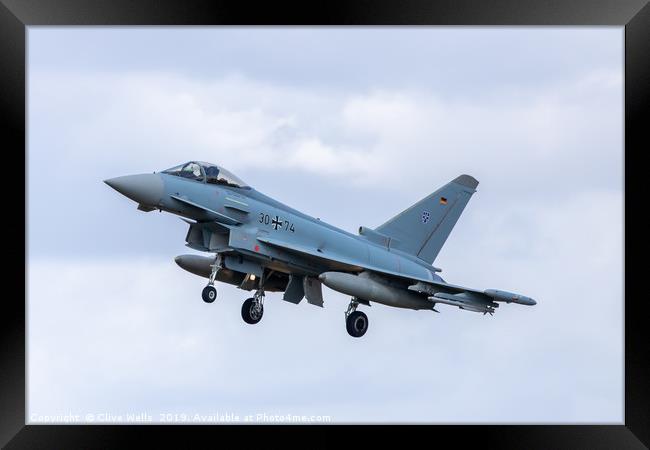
(259, 244)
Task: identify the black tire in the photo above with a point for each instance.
(356, 324)
(209, 294)
(248, 314)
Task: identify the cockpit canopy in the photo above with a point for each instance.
(206, 173)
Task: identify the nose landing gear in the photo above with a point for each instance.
(356, 322)
(209, 293)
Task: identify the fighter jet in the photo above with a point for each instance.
(259, 244)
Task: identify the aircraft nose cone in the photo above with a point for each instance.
(146, 189)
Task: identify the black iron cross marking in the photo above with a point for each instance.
(276, 223)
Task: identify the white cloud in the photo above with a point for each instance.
(147, 121)
(313, 156)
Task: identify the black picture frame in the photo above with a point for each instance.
(634, 15)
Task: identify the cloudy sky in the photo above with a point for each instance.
(350, 125)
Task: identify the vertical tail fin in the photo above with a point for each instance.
(422, 229)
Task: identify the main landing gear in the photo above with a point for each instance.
(209, 293)
(253, 308)
(356, 322)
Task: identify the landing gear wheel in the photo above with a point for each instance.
(209, 294)
(252, 311)
(356, 324)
